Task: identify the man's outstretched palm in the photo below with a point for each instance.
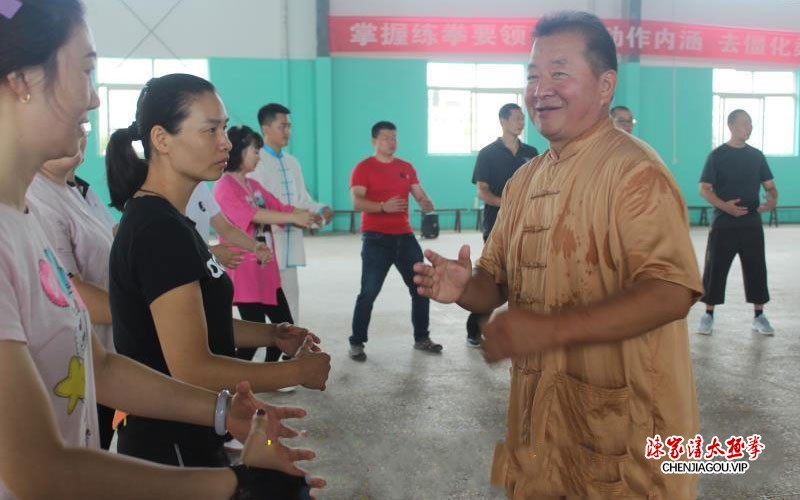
(444, 280)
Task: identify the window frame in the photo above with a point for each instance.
(106, 88)
(473, 91)
(762, 97)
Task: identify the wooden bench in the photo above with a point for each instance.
(457, 212)
(703, 219)
(773, 214)
(352, 214)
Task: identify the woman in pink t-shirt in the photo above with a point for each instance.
(257, 288)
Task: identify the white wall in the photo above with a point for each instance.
(764, 14)
(471, 8)
(205, 28)
(258, 28)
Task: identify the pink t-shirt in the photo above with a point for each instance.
(252, 283)
(40, 307)
(81, 242)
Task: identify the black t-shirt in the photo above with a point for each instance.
(737, 173)
(157, 249)
(495, 165)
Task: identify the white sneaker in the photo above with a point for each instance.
(706, 324)
(761, 325)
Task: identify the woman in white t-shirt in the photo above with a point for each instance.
(203, 210)
(49, 358)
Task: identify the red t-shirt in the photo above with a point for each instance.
(384, 181)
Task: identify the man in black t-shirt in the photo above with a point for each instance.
(495, 165)
(731, 181)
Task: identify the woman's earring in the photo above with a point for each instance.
(26, 99)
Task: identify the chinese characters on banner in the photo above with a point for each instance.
(479, 35)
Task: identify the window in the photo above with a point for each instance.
(120, 81)
(769, 97)
(463, 101)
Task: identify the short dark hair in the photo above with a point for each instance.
(601, 52)
(241, 138)
(34, 35)
(268, 112)
(506, 109)
(733, 115)
(165, 102)
(613, 110)
(382, 125)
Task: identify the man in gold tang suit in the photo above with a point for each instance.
(592, 252)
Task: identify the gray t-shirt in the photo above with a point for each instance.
(737, 173)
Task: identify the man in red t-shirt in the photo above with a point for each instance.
(379, 188)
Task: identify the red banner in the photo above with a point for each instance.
(427, 35)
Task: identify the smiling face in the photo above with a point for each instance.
(60, 106)
(563, 96)
(200, 148)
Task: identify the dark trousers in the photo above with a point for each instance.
(161, 442)
(723, 245)
(105, 417)
(258, 313)
(475, 319)
(379, 252)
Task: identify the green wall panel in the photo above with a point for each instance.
(335, 102)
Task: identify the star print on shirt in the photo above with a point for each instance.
(74, 386)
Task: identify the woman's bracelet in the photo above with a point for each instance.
(221, 412)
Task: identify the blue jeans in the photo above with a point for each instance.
(378, 252)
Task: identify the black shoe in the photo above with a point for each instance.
(473, 342)
(428, 345)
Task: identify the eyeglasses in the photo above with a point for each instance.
(622, 121)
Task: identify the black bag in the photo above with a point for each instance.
(430, 226)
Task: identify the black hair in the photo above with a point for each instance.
(733, 115)
(506, 109)
(601, 53)
(241, 138)
(268, 112)
(613, 110)
(164, 101)
(34, 35)
(382, 125)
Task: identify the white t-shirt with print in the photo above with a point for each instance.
(81, 242)
(40, 307)
(201, 208)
